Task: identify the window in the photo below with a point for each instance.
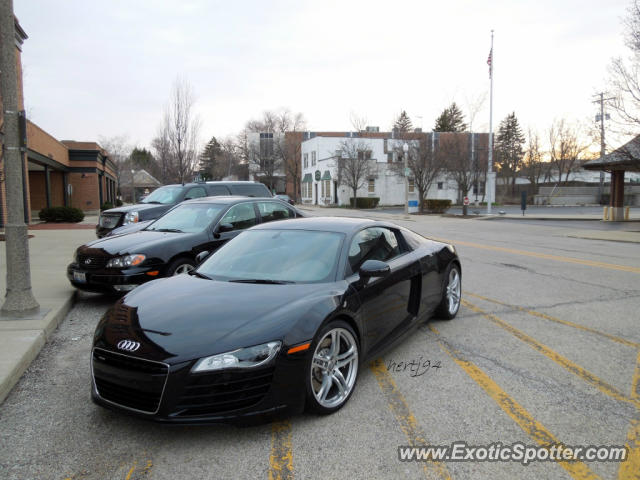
(440, 185)
(266, 145)
(306, 160)
(390, 157)
(364, 155)
(241, 216)
(375, 243)
(196, 192)
(313, 158)
(412, 185)
(372, 185)
(250, 190)
(270, 211)
(323, 189)
(218, 190)
(188, 217)
(326, 188)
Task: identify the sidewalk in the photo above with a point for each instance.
(21, 339)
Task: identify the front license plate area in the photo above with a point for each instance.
(80, 277)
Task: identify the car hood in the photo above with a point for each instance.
(136, 242)
(145, 210)
(185, 317)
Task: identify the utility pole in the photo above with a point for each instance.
(19, 297)
(603, 152)
(490, 185)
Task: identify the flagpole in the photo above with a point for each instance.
(490, 184)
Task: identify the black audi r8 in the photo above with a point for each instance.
(279, 318)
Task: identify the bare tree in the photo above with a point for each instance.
(118, 149)
(532, 162)
(460, 164)
(565, 147)
(161, 146)
(423, 162)
(354, 165)
(358, 122)
(183, 128)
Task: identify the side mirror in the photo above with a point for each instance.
(374, 268)
(201, 256)
(221, 228)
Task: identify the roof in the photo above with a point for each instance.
(229, 199)
(626, 157)
(141, 179)
(325, 224)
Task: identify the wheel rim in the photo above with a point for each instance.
(184, 268)
(453, 291)
(334, 367)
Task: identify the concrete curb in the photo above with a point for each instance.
(22, 340)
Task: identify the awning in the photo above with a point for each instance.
(326, 175)
(307, 178)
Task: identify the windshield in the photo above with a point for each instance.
(187, 218)
(298, 256)
(164, 195)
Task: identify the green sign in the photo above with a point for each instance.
(318, 175)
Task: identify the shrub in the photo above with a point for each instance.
(106, 206)
(433, 205)
(365, 202)
(118, 202)
(61, 214)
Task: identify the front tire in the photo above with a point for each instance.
(180, 266)
(451, 293)
(332, 370)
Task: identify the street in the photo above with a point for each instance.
(545, 349)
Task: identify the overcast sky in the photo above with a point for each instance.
(105, 68)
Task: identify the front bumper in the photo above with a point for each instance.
(105, 279)
(176, 396)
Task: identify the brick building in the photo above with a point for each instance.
(56, 173)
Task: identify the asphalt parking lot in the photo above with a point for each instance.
(544, 350)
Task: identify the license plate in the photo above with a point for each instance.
(80, 277)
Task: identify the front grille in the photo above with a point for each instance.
(128, 381)
(92, 261)
(221, 392)
(110, 220)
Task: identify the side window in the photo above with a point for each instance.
(241, 216)
(218, 190)
(374, 243)
(270, 211)
(195, 192)
(249, 190)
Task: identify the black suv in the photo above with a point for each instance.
(163, 198)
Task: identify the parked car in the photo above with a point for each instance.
(169, 245)
(163, 198)
(286, 198)
(281, 317)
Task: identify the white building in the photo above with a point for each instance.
(320, 171)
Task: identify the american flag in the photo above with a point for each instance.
(490, 62)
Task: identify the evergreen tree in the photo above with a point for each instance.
(450, 120)
(211, 161)
(142, 159)
(403, 123)
(509, 147)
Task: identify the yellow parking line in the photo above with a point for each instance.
(557, 320)
(405, 418)
(577, 470)
(556, 357)
(281, 458)
(546, 256)
(630, 469)
(131, 470)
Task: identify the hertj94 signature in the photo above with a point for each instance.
(415, 367)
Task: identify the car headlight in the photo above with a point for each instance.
(242, 358)
(132, 260)
(131, 217)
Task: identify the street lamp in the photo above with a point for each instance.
(405, 148)
(133, 187)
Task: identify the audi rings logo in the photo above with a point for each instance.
(128, 345)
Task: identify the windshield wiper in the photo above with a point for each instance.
(198, 274)
(154, 202)
(265, 281)
(172, 230)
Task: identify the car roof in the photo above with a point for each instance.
(213, 182)
(229, 199)
(327, 224)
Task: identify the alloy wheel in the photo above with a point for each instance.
(184, 268)
(453, 291)
(334, 367)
